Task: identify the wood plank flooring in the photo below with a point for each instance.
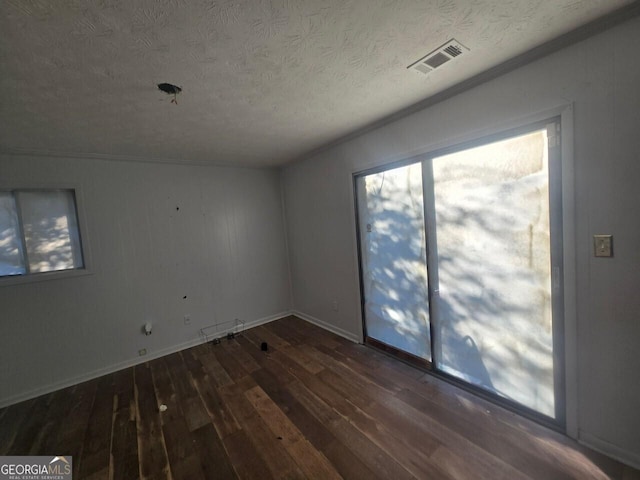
(313, 406)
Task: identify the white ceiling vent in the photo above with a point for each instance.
(439, 57)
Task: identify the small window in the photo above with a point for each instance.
(39, 232)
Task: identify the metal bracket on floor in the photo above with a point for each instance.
(214, 334)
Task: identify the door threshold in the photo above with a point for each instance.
(394, 352)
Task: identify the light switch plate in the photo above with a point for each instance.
(603, 245)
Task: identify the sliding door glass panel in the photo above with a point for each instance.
(394, 266)
(494, 326)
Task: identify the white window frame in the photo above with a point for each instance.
(83, 236)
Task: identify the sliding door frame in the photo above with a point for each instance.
(561, 192)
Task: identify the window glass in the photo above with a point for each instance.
(38, 232)
(11, 261)
(50, 230)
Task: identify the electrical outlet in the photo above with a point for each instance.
(142, 352)
(334, 305)
(187, 319)
(603, 245)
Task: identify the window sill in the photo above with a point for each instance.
(42, 277)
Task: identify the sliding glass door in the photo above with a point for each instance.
(489, 313)
(394, 261)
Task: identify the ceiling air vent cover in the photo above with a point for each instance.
(439, 57)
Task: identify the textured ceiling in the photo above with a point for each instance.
(263, 81)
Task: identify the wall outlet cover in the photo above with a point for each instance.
(603, 245)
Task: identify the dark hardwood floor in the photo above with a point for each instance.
(313, 406)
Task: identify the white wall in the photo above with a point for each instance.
(224, 249)
(600, 77)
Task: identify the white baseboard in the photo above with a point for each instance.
(52, 387)
(327, 326)
(630, 458)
